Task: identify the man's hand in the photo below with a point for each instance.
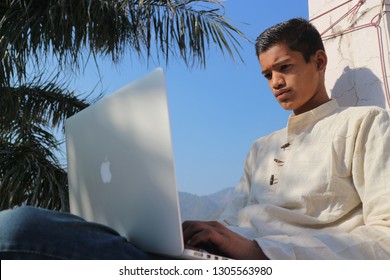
(218, 239)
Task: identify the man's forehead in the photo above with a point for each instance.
(276, 55)
(276, 50)
(268, 65)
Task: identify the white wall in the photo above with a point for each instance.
(359, 66)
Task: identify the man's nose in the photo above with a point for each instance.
(277, 81)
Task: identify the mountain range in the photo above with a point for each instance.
(205, 208)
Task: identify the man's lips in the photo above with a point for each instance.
(281, 93)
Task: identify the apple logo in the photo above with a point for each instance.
(105, 172)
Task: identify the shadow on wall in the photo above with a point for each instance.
(358, 87)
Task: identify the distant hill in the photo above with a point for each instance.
(206, 208)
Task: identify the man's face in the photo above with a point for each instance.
(296, 84)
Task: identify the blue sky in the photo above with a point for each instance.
(216, 112)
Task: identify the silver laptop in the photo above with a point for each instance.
(121, 169)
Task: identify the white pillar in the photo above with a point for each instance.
(356, 34)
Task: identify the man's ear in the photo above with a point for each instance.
(321, 60)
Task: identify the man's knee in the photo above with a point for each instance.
(18, 222)
(26, 222)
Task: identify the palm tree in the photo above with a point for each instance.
(34, 103)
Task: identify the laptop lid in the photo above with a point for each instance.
(121, 168)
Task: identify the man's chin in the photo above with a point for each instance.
(288, 106)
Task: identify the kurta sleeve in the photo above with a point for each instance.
(371, 176)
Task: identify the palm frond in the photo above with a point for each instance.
(29, 29)
(28, 176)
(30, 172)
(37, 101)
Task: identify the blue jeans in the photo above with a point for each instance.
(33, 233)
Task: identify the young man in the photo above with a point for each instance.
(314, 190)
(319, 188)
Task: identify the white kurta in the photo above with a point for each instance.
(319, 188)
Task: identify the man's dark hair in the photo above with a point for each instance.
(297, 33)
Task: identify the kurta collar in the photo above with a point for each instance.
(298, 123)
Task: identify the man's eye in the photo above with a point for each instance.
(268, 76)
(285, 67)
